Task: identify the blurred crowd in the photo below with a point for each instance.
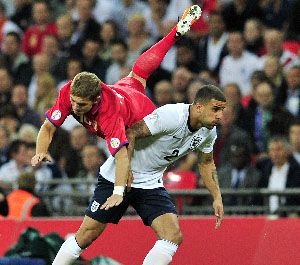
(249, 48)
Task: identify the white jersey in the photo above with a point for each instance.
(171, 139)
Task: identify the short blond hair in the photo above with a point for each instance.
(86, 85)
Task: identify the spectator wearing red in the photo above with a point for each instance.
(33, 37)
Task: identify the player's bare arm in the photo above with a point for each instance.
(122, 168)
(137, 130)
(209, 175)
(43, 141)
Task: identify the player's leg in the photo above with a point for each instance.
(93, 224)
(168, 231)
(157, 210)
(152, 58)
(71, 249)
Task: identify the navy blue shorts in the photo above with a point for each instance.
(149, 204)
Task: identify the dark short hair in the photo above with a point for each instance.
(209, 92)
(15, 35)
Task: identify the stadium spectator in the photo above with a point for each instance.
(279, 172)
(239, 64)
(92, 158)
(33, 37)
(5, 86)
(138, 39)
(109, 34)
(46, 93)
(274, 72)
(18, 63)
(267, 119)
(228, 133)
(65, 28)
(23, 13)
(273, 42)
(41, 64)
(6, 25)
(163, 93)
(237, 12)
(91, 59)
(19, 98)
(156, 16)
(119, 62)
(253, 35)
(180, 81)
(124, 10)
(212, 47)
(294, 139)
(50, 47)
(185, 55)
(22, 202)
(233, 96)
(10, 119)
(290, 97)
(10, 171)
(86, 27)
(276, 13)
(27, 133)
(239, 174)
(4, 144)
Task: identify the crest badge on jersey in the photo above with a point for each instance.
(95, 206)
(56, 115)
(195, 143)
(153, 116)
(115, 142)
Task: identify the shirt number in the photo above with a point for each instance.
(175, 153)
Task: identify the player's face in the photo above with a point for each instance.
(209, 114)
(80, 105)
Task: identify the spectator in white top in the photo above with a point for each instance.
(10, 171)
(6, 25)
(239, 65)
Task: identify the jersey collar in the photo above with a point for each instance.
(97, 106)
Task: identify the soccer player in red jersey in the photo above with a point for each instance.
(107, 111)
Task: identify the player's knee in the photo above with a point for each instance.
(175, 236)
(178, 238)
(86, 237)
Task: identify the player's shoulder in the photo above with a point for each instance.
(65, 90)
(174, 112)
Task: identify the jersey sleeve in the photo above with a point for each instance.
(115, 135)
(208, 145)
(162, 120)
(61, 109)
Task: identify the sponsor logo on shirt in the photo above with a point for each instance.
(115, 142)
(56, 115)
(95, 206)
(195, 142)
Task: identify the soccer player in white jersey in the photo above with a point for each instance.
(171, 132)
(176, 130)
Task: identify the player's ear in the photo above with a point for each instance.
(198, 106)
(97, 99)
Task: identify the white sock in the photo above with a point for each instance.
(68, 252)
(161, 253)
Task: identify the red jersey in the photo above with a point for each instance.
(33, 38)
(120, 106)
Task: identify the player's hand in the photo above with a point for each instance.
(39, 158)
(130, 180)
(219, 212)
(113, 200)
